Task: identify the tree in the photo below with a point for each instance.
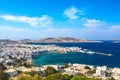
(66, 65)
(31, 73)
(50, 70)
(80, 74)
(83, 78)
(78, 78)
(65, 77)
(27, 65)
(87, 67)
(56, 76)
(110, 79)
(24, 77)
(3, 75)
(37, 77)
(93, 79)
(11, 79)
(91, 71)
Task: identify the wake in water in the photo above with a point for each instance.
(92, 52)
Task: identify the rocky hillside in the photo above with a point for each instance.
(67, 39)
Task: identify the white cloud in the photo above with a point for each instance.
(93, 23)
(74, 16)
(8, 32)
(57, 32)
(42, 21)
(115, 27)
(112, 32)
(73, 13)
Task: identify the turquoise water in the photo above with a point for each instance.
(83, 58)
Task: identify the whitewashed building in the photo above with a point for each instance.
(116, 73)
(11, 72)
(100, 70)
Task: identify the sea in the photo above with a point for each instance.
(82, 58)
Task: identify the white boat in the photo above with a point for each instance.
(90, 52)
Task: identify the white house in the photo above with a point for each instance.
(116, 73)
(2, 60)
(11, 72)
(100, 70)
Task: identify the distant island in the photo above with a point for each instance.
(58, 40)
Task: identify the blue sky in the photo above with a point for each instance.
(36, 19)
